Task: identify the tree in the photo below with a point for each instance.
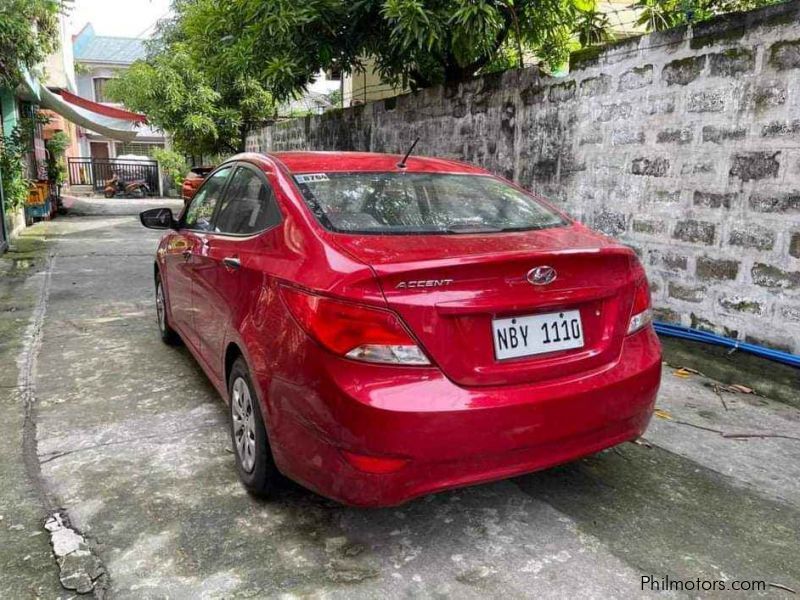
(283, 43)
(453, 40)
(205, 116)
(28, 33)
(215, 70)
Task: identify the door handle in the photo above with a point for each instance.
(232, 263)
(187, 254)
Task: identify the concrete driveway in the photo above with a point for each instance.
(120, 446)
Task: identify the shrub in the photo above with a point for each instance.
(173, 165)
(56, 168)
(12, 155)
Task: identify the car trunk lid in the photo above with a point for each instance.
(449, 288)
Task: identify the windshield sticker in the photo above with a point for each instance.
(311, 178)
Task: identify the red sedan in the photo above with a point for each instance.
(382, 330)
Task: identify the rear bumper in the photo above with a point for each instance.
(450, 435)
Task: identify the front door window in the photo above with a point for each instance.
(201, 210)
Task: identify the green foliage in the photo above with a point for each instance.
(658, 15)
(508, 56)
(12, 169)
(593, 26)
(726, 6)
(81, 68)
(58, 143)
(29, 31)
(204, 114)
(56, 167)
(173, 164)
(335, 98)
(283, 44)
(468, 36)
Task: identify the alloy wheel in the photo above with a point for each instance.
(244, 426)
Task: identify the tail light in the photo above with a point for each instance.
(355, 331)
(641, 314)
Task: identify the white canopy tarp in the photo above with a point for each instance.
(123, 130)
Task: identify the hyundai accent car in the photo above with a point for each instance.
(384, 328)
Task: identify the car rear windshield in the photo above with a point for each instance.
(420, 203)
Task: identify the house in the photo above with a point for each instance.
(59, 69)
(365, 85)
(99, 58)
(49, 90)
(59, 76)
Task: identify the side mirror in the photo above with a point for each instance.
(158, 218)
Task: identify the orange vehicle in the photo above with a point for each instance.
(194, 178)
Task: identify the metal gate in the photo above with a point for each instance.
(96, 171)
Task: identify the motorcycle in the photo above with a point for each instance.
(136, 188)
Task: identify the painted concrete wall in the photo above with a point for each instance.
(360, 87)
(59, 67)
(85, 80)
(9, 113)
(683, 144)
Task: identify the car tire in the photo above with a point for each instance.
(168, 335)
(254, 463)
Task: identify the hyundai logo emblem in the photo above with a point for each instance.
(541, 275)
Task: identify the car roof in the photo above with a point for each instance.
(330, 162)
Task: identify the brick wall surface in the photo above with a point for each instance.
(683, 144)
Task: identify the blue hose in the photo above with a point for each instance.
(687, 333)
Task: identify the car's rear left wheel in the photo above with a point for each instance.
(168, 335)
(254, 463)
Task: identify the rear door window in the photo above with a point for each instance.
(249, 205)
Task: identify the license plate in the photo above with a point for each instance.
(537, 334)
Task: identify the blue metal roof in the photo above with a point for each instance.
(107, 49)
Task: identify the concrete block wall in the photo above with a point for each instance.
(683, 144)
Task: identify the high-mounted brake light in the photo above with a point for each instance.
(353, 330)
(641, 314)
